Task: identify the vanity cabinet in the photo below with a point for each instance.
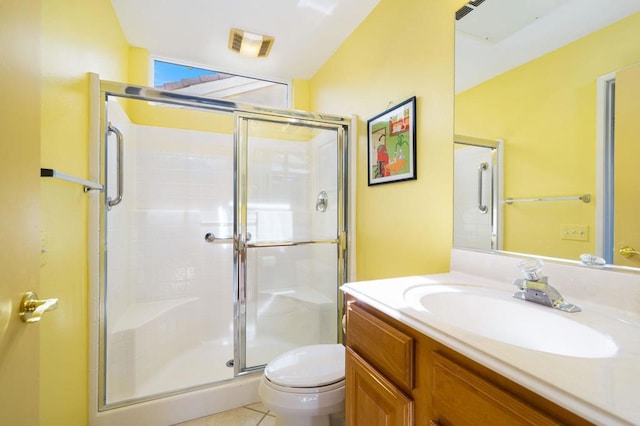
(397, 376)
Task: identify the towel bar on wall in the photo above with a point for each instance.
(585, 198)
(88, 185)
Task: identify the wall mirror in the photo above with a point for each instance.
(546, 92)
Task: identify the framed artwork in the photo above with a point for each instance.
(391, 144)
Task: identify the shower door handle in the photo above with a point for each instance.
(210, 237)
(482, 207)
(119, 158)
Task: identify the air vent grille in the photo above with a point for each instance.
(492, 21)
(463, 11)
(265, 48)
(250, 44)
(467, 8)
(236, 40)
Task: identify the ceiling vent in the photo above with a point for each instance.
(250, 44)
(467, 8)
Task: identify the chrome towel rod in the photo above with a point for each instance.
(585, 198)
(88, 185)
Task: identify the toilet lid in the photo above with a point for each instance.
(308, 366)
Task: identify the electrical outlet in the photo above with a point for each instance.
(574, 232)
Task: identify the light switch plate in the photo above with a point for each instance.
(574, 232)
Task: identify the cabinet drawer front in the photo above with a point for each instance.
(384, 347)
(462, 398)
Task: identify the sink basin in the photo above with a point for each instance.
(496, 315)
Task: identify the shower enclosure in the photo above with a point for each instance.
(222, 243)
(477, 193)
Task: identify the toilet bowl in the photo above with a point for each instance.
(305, 386)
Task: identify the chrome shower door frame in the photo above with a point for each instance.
(242, 236)
(242, 112)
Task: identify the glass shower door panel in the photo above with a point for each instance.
(473, 198)
(291, 299)
(289, 168)
(292, 256)
(169, 292)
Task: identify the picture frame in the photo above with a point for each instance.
(391, 144)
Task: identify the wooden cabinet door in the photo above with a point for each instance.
(386, 349)
(371, 399)
(461, 398)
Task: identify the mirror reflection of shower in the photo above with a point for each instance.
(477, 193)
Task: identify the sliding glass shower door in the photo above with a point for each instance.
(477, 213)
(168, 291)
(291, 221)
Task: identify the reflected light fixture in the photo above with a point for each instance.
(325, 7)
(250, 44)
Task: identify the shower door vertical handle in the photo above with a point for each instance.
(482, 207)
(119, 158)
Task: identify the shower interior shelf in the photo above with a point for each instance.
(88, 185)
(306, 295)
(141, 313)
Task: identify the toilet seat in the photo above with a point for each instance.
(308, 367)
(306, 390)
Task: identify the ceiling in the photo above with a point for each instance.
(548, 26)
(307, 32)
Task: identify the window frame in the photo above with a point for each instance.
(286, 83)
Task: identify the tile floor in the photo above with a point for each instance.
(249, 415)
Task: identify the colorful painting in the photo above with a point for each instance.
(392, 144)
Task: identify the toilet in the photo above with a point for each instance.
(305, 386)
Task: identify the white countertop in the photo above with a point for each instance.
(602, 390)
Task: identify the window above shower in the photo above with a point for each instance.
(196, 80)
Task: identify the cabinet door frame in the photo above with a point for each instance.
(460, 397)
(371, 399)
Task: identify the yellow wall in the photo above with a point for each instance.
(77, 37)
(300, 94)
(404, 48)
(548, 123)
